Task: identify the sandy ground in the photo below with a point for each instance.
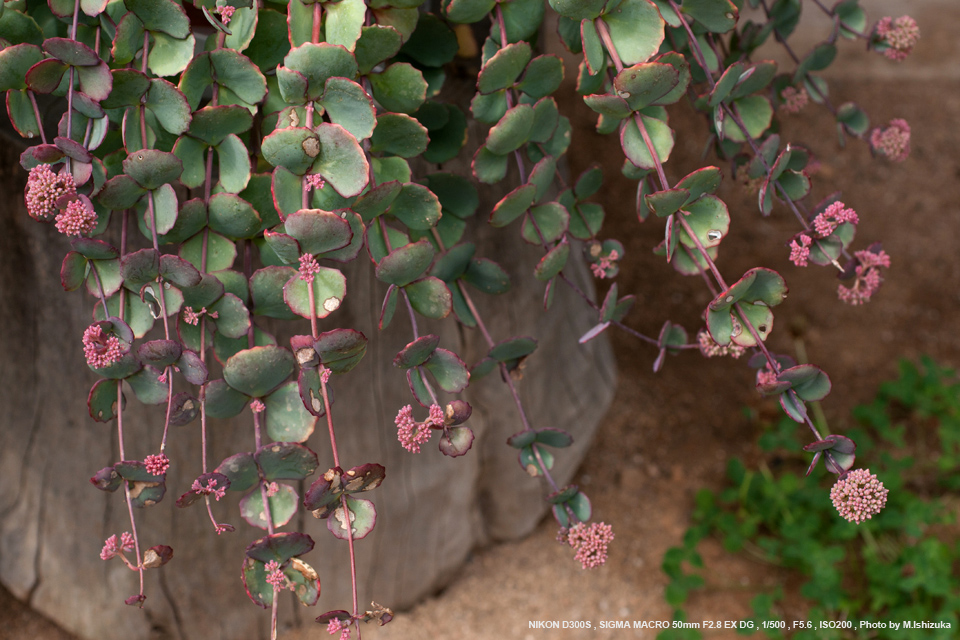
(669, 434)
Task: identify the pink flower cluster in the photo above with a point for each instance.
(858, 496)
(867, 277)
(835, 215)
(794, 99)
(112, 547)
(209, 489)
(899, 35)
(892, 141)
(157, 465)
(710, 349)
(44, 188)
(339, 626)
(308, 268)
(275, 576)
(77, 219)
(226, 13)
(100, 350)
(800, 250)
(411, 433)
(193, 317)
(591, 542)
(272, 489)
(314, 180)
(324, 374)
(766, 376)
(600, 268)
(257, 406)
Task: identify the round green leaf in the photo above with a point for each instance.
(234, 163)
(283, 506)
(318, 62)
(636, 150)
(348, 105)
(344, 22)
(399, 88)
(293, 148)
(256, 372)
(512, 131)
(636, 29)
(400, 135)
(287, 421)
(329, 289)
(362, 516)
(430, 297)
(152, 168)
(341, 161)
(756, 113)
(416, 206)
(405, 264)
(504, 67)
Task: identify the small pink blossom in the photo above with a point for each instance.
(858, 496)
(272, 489)
(600, 268)
(226, 13)
(800, 250)
(324, 374)
(710, 349)
(112, 547)
(44, 188)
(257, 406)
(834, 215)
(77, 219)
(794, 99)
(308, 268)
(591, 542)
(335, 625)
(766, 376)
(209, 489)
(314, 180)
(892, 141)
(867, 279)
(157, 465)
(899, 35)
(275, 576)
(100, 350)
(193, 317)
(411, 433)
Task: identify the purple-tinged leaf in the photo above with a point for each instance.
(102, 400)
(308, 386)
(96, 81)
(73, 271)
(286, 248)
(280, 547)
(146, 489)
(563, 495)
(417, 387)
(72, 149)
(15, 61)
(254, 575)
(40, 154)
(456, 441)
(302, 347)
(107, 479)
(340, 349)
(71, 52)
(140, 267)
(513, 349)
(184, 409)
(339, 614)
(329, 289)
(457, 412)
(159, 353)
(157, 556)
(324, 493)
(389, 307)
(318, 231)
(178, 271)
(416, 352)
(45, 76)
(364, 477)
(306, 582)
(581, 506)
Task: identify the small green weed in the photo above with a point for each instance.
(892, 568)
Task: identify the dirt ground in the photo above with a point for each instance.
(669, 434)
